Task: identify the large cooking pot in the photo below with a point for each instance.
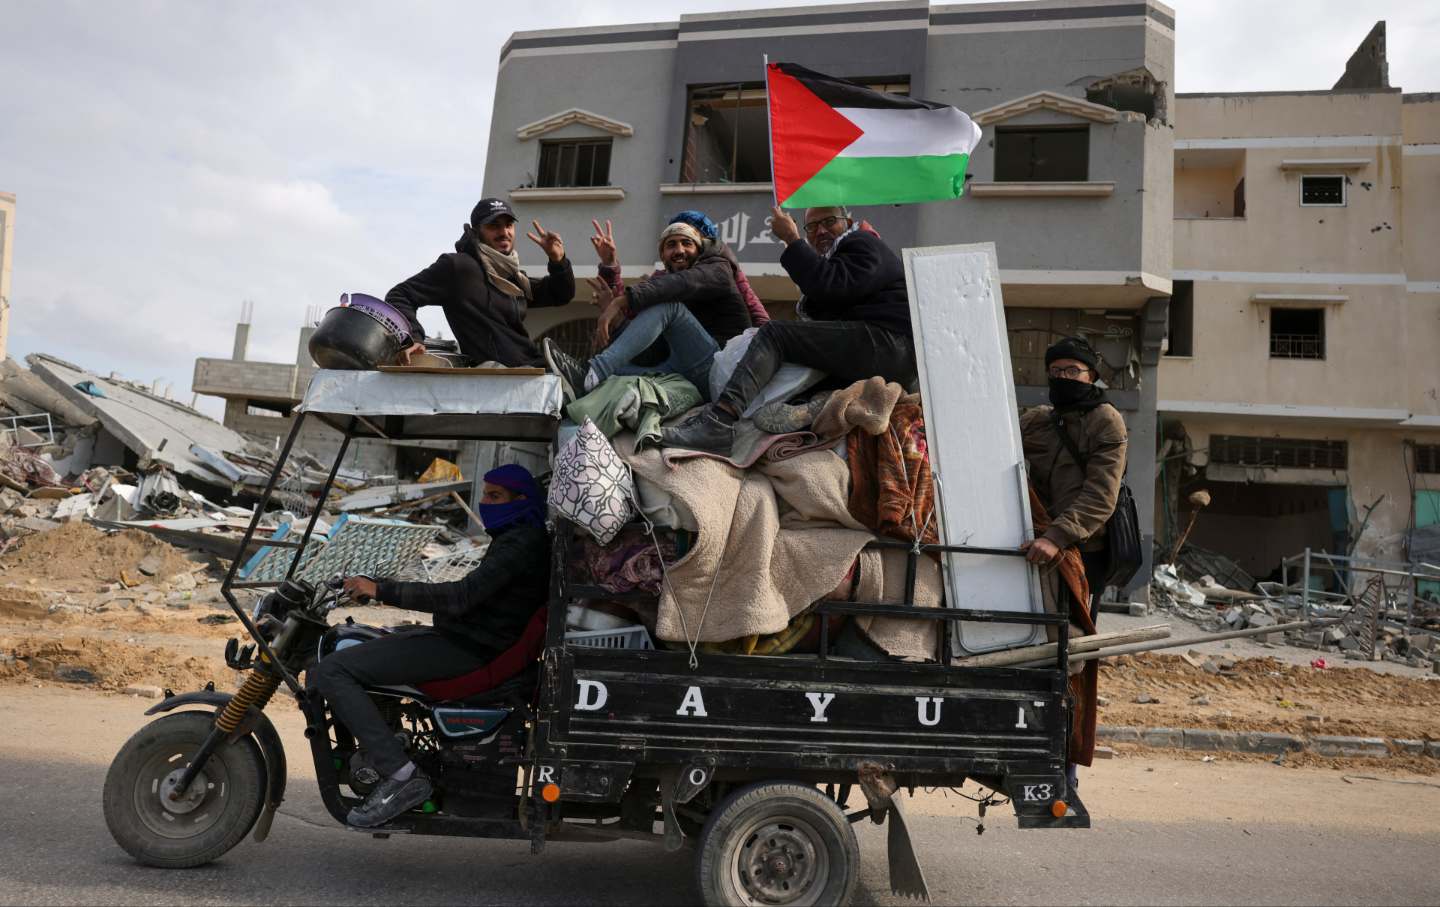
(360, 333)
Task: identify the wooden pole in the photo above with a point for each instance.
(466, 507)
(1048, 650)
(1191, 641)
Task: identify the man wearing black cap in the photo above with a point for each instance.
(1078, 491)
(483, 290)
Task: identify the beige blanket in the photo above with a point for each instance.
(756, 566)
(882, 581)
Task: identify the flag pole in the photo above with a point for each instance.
(770, 132)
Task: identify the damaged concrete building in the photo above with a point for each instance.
(1299, 385)
(1072, 180)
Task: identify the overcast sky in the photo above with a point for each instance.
(171, 159)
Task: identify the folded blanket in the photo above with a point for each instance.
(750, 445)
(865, 405)
(882, 581)
(755, 573)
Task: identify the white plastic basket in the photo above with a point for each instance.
(636, 637)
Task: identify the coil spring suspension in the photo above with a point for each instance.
(255, 691)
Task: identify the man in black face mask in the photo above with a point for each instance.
(1079, 494)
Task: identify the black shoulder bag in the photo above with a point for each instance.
(1122, 530)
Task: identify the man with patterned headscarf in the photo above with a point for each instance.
(475, 619)
(484, 291)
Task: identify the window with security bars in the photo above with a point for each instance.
(574, 164)
(574, 337)
(1297, 333)
(1322, 191)
(1427, 458)
(1278, 453)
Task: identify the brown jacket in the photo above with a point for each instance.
(1081, 499)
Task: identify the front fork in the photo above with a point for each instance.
(234, 721)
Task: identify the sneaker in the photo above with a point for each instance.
(703, 431)
(567, 368)
(389, 799)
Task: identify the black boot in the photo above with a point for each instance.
(389, 799)
(711, 430)
(567, 368)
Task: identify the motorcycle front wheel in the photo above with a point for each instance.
(215, 813)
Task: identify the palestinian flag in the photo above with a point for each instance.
(833, 142)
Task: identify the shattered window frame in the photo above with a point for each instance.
(1278, 453)
(741, 98)
(1297, 344)
(1339, 179)
(1011, 166)
(555, 171)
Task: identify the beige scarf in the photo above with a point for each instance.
(502, 270)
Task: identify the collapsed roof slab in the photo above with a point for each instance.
(156, 429)
(19, 384)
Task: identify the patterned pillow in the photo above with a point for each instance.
(591, 486)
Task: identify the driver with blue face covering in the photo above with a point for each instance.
(475, 619)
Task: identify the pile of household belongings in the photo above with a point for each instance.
(795, 509)
(731, 554)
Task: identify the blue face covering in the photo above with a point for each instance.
(498, 516)
(530, 509)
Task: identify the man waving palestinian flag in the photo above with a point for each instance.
(833, 142)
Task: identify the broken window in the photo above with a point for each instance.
(1297, 333)
(574, 163)
(1276, 453)
(727, 137)
(727, 131)
(1042, 154)
(1427, 458)
(1325, 191)
(1238, 199)
(1180, 330)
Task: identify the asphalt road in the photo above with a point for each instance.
(1167, 832)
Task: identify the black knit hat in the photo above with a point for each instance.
(1073, 348)
(488, 209)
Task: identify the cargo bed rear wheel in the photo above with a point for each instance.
(777, 843)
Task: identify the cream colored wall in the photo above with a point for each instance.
(1420, 120)
(7, 248)
(1375, 470)
(1421, 194)
(1205, 193)
(1379, 344)
(1277, 234)
(1265, 115)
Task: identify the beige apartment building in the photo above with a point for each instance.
(1301, 383)
(7, 249)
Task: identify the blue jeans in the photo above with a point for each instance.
(692, 349)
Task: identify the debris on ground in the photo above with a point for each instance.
(1266, 694)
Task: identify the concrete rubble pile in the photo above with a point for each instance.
(1361, 631)
(78, 447)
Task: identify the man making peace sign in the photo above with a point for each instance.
(484, 292)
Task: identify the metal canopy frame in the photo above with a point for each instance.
(396, 407)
